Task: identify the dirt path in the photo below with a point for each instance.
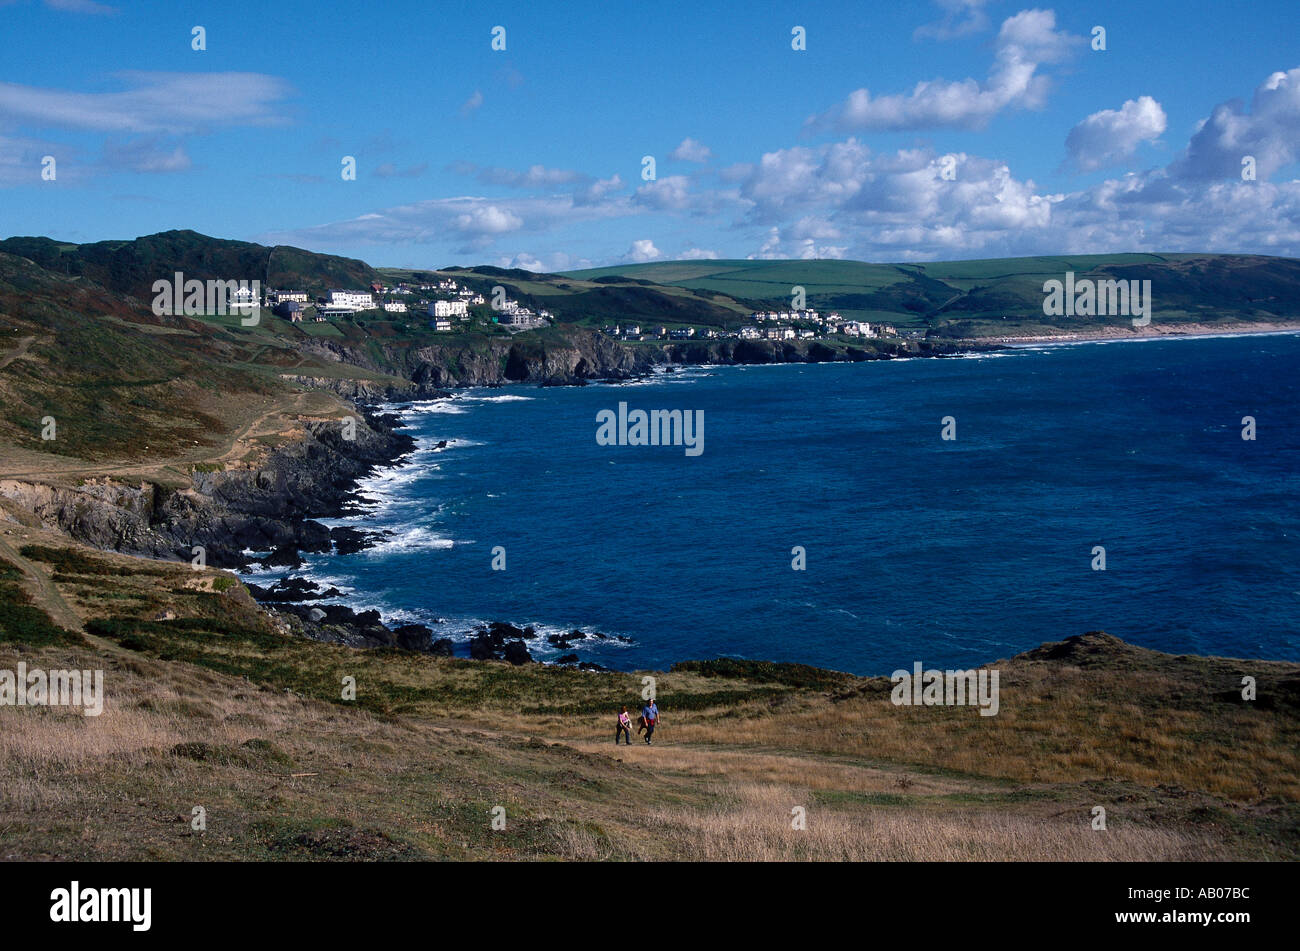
(231, 449)
(19, 351)
(44, 592)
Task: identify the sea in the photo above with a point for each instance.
(826, 519)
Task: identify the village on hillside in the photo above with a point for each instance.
(447, 304)
(764, 325)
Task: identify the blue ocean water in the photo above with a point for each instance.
(954, 553)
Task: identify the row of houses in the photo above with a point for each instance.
(851, 328)
(776, 333)
(344, 303)
(791, 316)
(635, 332)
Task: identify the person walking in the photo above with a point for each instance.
(651, 714)
(624, 727)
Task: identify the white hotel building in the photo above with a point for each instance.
(359, 300)
(448, 308)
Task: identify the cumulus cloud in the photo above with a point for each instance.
(642, 250)
(1113, 135)
(1024, 43)
(596, 191)
(670, 193)
(842, 199)
(1269, 131)
(892, 203)
(698, 254)
(550, 263)
(691, 151)
(487, 220)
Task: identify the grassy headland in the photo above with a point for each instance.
(212, 702)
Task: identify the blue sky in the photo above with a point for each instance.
(904, 131)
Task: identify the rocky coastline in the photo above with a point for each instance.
(274, 506)
(578, 357)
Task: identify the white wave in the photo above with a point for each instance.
(443, 406)
(416, 538)
(255, 571)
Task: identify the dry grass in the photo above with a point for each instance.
(760, 826)
(1184, 770)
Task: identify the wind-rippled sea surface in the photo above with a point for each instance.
(955, 553)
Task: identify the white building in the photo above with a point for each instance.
(522, 319)
(441, 324)
(358, 300)
(243, 298)
(395, 307)
(448, 308)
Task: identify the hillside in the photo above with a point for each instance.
(997, 296)
(212, 704)
(131, 267)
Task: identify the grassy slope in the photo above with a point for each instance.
(215, 707)
(981, 297)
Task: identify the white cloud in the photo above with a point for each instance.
(81, 6)
(1025, 42)
(671, 193)
(475, 221)
(173, 103)
(535, 176)
(488, 219)
(595, 192)
(841, 199)
(642, 250)
(1270, 132)
(472, 103)
(550, 263)
(148, 155)
(961, 18)
(390, 170)
(691, 151)
(20, 161)
(1113, 135)
(698, 254)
